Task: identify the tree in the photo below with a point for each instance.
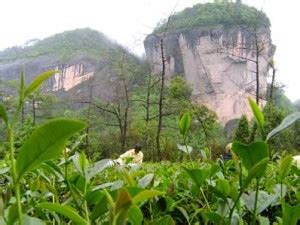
(242, 132)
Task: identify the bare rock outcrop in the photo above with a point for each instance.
(219, 64)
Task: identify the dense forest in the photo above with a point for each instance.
(57, 147)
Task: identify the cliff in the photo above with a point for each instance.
(217, 60)
(80, 55)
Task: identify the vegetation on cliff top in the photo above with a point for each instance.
(216, 14)
(66, 45)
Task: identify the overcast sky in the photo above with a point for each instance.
(128, 21)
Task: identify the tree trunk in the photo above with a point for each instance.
(160, 104)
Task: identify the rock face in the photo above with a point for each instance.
(219, 64)
(84, 58)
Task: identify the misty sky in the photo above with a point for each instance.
(128, 21)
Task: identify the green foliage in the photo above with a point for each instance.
(214, 15)
(44, 144)
(242, 132)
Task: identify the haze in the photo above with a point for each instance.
(129, 21)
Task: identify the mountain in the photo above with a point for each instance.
(80, 55)
(215, 46)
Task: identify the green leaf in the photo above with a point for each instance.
(3, 114)
(38, 81)
(196, 175)
(250, 154)
(286, 122)
(97, 167)
(123, 203)
(2, 221)
(45, 143)
(184, 213)
(264, 200)
(257, 113)
(165, 220)
(184, 124)
(291, 214)
(64, 210)
(135, 216)
(12, 214)
(263, 220)
(28, 220)
(81, 163)
(256, 171)
(223, 186)
(145, 195)
(285, 166)
(146, 180)
(214, 217)
(22, 87)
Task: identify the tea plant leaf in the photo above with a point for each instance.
(185, 148)
(12, 214)
(285, 166)
(184, 213)
(291, 214)
(122, 205)
(165, 220)
(224, 186)
(196, 175)
(257, 113)
(145, 195)
(45, 143)
(135, 216)
(256, 171)
(38, 81)
(2, 221)
(81, 163)
(64, 210)
(97, 168)
(28, 220)
(184, 124)
(3, 114)
(214, 217)
(264, 200)
(250, 154)
(146, 180)
(286, 122)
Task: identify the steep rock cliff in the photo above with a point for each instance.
(79, 55)
(218, 62)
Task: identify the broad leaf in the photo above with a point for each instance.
(145, 195)
(97, 168)
(223, 186)
(250, 154)
(256, 171)
(185, 148)
(196, 175)
(81, 163)
(38, 81)
(257, 113)
(135, 216)
(28, 220)
(264, 200)
(165, 220)
(64, 210)
(45, 143)
(12, 214)
(285, 166)
(3, 114)
(291, 214)
(184, 124)
(146, 180)
(286, 122)
(123, 203)
(184, 213)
